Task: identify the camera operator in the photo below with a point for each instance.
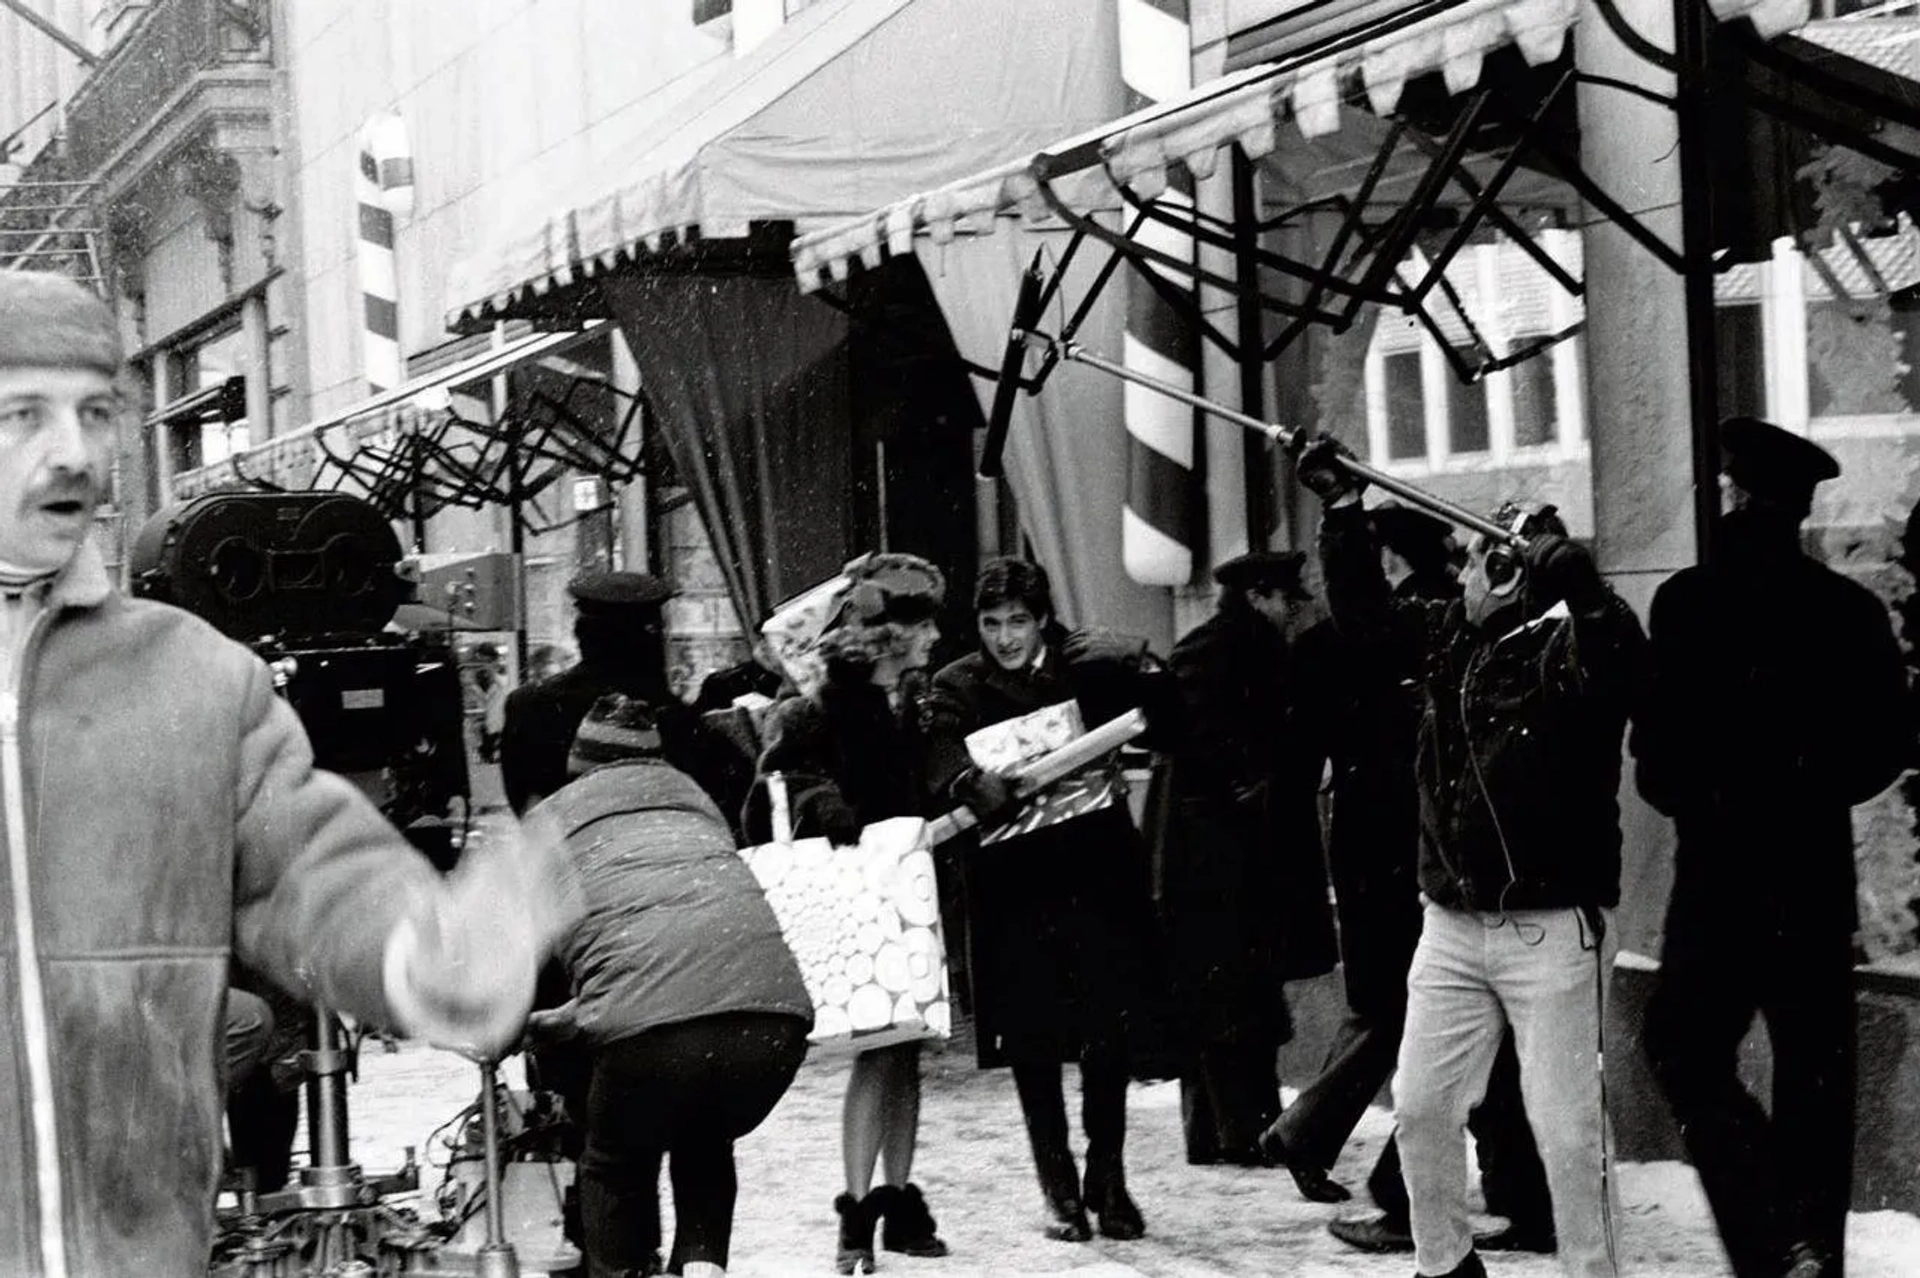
(162, 816)
(1528, 679)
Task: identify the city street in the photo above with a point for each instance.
(977, 1174)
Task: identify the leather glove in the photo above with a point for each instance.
(1561, 568)
(1314, 461)
(1099, 645)
(988, 795)
(837, 821)
(460, 965)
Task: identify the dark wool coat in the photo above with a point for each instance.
(1373, 714)
(845, 744)
(542, 717)
(1518, 758)
(1779, 702)
(1244, 880)
(1059, 921)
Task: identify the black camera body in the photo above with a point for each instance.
(308, 581)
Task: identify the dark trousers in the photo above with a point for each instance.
(1038, 1078)
(683, 1093)
(1772, 1182)
(1228, 1096)
(261, 1117)
(1359, 1062)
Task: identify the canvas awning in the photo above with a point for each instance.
(852, 104)
(1305, 91)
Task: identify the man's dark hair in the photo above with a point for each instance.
(1008, 580)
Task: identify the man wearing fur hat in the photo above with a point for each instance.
(1780, 702)
(162, 816)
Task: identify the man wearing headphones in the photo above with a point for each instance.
(1528, 680)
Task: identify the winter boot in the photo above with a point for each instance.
(906, 1225)
(1106, 1197)
(854, 1255)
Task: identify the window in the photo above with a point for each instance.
(1530, 386)
(1406, 407)
(1467, 430)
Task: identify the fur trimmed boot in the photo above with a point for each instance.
(906, 1226)
(858, 1216)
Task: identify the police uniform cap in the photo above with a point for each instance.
(600, 593)
(1773, 463)
(1263, 570)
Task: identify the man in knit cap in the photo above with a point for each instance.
(162, 816)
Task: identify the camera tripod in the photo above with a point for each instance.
(333, 1221)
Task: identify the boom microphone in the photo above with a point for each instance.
(1026, 310)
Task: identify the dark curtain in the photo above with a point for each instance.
(749, 383)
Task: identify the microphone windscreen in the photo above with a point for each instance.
(1026, 312)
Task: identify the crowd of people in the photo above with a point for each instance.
(1457, 714)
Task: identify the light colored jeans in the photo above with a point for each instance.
(1542, 971)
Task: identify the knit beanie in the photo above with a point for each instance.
(51, 321)
(618, 729)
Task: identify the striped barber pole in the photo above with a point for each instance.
(383, 190)
(1161, 522)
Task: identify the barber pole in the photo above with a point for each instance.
(383, 190)
(1161, 522)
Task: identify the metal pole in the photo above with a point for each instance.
(46, 28)
(496, 1256)
(1281, 435)
(1252, 341)
(1696, 249)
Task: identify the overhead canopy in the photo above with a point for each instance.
(852, 104)
(1277, 106)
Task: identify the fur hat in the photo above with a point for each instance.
(617, 730)
(50, 321)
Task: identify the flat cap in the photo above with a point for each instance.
(51, 321)
(1773, 463)
(602, 591)
(1263, 570)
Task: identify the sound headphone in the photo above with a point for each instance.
(1505, 564)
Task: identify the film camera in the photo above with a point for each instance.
(308, 581)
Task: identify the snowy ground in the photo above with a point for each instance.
(976, 1171)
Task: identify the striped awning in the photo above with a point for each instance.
(1246, 108)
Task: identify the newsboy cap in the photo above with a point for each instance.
(1263, 570)
(1773, 463)
(601, 593)
(51, 321)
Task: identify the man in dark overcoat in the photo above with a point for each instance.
(621, 634)
(1780, 702)
(1059, 916)
(1373, 842)
(1244, 886)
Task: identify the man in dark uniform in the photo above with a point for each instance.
(1244, 890)
(1373, 845)
(622, 639)
(1779, 703)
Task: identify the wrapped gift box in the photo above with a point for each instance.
(864, 923)
(1011, 744)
